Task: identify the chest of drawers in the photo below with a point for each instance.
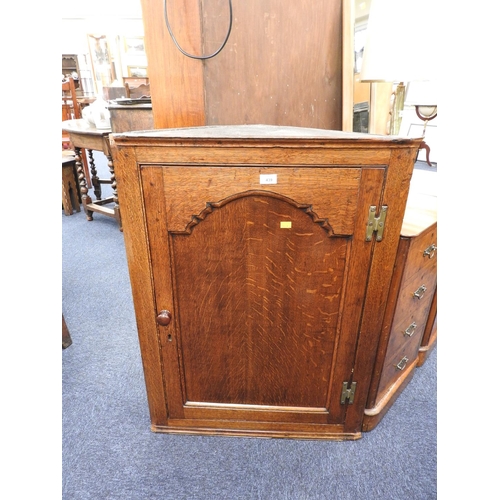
(429, 337)
(410, 322)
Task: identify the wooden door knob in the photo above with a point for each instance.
(164, 318)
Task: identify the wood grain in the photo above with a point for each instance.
(176, 81)
(276, 298)
(262, 329)
(334, 192)
(282, 63)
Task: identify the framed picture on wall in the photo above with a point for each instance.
(137, 71)
(134, 46)
(102, 65)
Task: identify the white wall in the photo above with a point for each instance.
(74, 31)
(98, 16)
(106, 8)
(115, 19)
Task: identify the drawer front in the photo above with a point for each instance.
(397, 365)
(422, 254)
(410, 319)
(405, 338)
(412, 309)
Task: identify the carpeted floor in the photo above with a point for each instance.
(109, 452)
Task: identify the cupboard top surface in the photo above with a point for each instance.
(261, 132)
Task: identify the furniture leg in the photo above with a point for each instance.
(96, 183)
(66, 202)
(425, 146)
(115, 192)
(66, 337)
(85, 166)
(86, 199)
(70, 193)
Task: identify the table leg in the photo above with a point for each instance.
(96, 183)
(115, 192)
(427, 149)
(86, 199)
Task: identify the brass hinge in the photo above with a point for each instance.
(376, 224)
(348, 393)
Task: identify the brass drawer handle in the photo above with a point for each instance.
(402, 364)
(410, 330)
(430, 251)
(419, 293)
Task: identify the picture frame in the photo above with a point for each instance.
(359, 47)
(137, 71)
(103, 68)
(134, 46)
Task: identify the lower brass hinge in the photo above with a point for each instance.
(375, 224)
(348, 393)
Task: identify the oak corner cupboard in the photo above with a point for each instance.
(260, 260)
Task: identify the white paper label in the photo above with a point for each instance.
(269, 178)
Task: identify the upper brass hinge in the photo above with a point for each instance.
(376, 224)
(348, 393)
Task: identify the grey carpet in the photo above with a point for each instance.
(109, 452)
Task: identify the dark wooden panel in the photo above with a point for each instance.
(334, 191)
(127, 118)
(262, 327)
(176, 81)
(282, 64)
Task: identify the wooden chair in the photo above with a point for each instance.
(137, 92)
(71, 110)
(70, 107)
(134, 81)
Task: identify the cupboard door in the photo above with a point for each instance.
(264, 286)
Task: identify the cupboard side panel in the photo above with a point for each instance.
(161, 265)
(395, 194)
(136, 245)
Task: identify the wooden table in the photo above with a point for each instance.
(85, 136)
